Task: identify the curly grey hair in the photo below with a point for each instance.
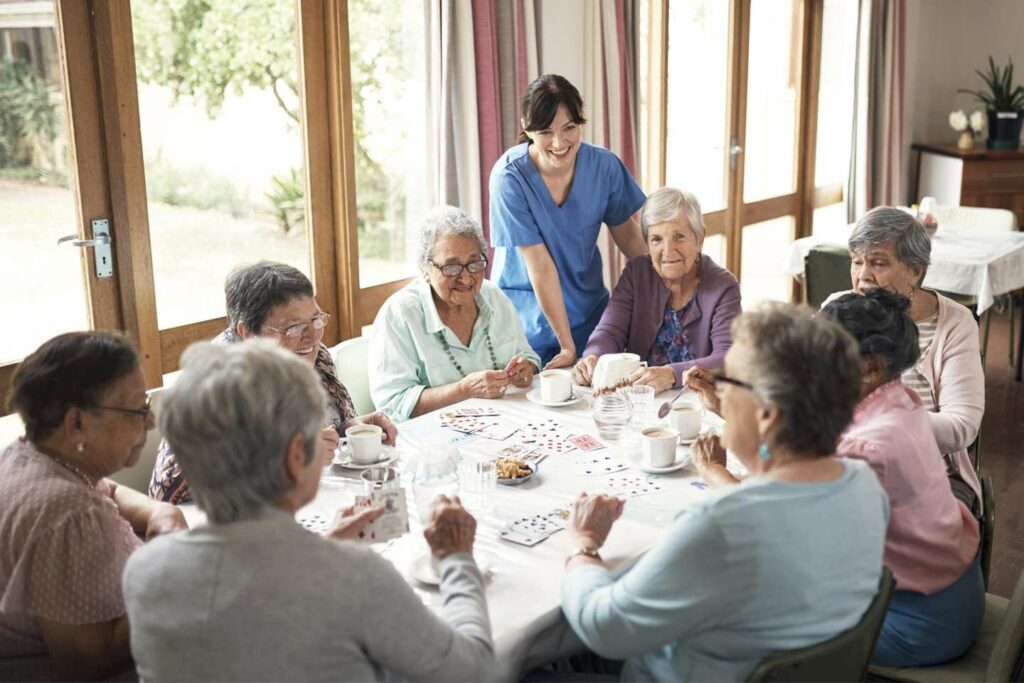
(670, 204)
(447, 221)
(890, 225)
(230, 417)
(808, 366)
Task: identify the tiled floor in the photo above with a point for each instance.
(1002, 457)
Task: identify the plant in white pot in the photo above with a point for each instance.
(1005, 104)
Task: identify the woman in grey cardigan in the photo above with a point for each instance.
(254, 596)
(673, 307)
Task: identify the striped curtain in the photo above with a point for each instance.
(610, 90)
(877, 166)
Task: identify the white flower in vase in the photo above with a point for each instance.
(958, 121)
(978, 120)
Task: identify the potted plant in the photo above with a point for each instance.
(1005, 104)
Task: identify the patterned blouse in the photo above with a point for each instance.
(669, 345)
(168, 483)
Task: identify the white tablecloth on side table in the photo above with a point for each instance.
(982, 265)
(523, 591)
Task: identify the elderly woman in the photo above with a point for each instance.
(451, 335)
(66, 531)
(754, 570)
(275, 300)
(254, 596)
(932, 543)
(673, 307)
(890, 249)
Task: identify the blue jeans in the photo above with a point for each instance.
(924, 630)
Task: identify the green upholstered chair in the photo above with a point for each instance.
(826, 271)
(351, 358)
(843, 658)
(995, 655)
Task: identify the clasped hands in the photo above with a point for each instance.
(661, 378)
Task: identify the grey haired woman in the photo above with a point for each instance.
(275, 300)
(254, 596)
(450, 335)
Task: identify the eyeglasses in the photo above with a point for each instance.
(143, 412)
(455, 269)
(735, 382)
(298, 329)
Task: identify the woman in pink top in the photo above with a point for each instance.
(65, 530)
(932, 541)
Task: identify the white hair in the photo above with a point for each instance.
(230, 417)
(670, 204)
(446, 221)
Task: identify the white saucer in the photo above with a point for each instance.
(679, 464)
(533, 396)
(688, 442)
(422, 569)
(387, 456)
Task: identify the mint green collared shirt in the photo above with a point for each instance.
(407, 356)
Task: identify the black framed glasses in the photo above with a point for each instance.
(455, 269)
(298, 329)
(725, 379)
(142, 412)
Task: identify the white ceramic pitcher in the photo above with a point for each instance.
(614, 367)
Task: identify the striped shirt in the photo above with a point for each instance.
(912, 377)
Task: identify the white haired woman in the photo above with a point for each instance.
(673, 307)
(450, 335)
(889, 248)
(252, 595)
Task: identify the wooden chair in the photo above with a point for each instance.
(843, 658)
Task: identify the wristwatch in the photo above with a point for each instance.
(588, 552)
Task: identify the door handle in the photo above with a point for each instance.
(100, 242)
(734, 151)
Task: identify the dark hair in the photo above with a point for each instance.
(879, 321)
(72, 370)
(540, 103)
(806, 365)
(252, 291)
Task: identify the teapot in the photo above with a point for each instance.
(613, 368)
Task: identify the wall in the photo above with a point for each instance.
(561, 38)
(947, 40)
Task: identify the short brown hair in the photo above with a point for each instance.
(541, 101)
(72, 370)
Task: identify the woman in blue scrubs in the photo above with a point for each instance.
(549, 196)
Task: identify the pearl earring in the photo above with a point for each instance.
(762, 451)
(80, 447)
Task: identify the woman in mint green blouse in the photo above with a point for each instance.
(450, 335)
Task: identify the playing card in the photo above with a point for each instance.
(316, 523)
(467, 412)
(542, 429)
(596, 464)
(514, 361)
(553, 446)
(631, 485)
(585, 442)
(540, 525)
(520, 538)
(395, 520)
(499, 430)
(460, 437)
(516, 450)
(467, 425)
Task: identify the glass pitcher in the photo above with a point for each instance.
(611, 413)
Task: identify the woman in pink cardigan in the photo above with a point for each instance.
(674, 306)
(889, 248)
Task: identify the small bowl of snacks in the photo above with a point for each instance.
(513, 471)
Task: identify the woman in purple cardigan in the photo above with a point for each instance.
(673, 307)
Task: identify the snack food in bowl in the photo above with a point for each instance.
(513, 470)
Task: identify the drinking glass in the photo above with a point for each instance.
(478, 479)
(433, 474)
(642, 398)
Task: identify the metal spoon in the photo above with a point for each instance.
(667, 405)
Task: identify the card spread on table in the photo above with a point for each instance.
(542, 429)
(395, 520)
(467, 412)
(497, 429)
(596, 463)
(467, 424)
(631, 485)
(585, 442)
(516, 450)
(530, 531)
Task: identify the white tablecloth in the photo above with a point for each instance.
(523, 589)
(982, 265)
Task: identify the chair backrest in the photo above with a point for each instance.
(988, 526)
(843, 658)
(137, 477)
(975, 219)
(352, 358)
(826, 271)
(1008, 649)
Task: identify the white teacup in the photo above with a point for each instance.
(685, 417)
(658, 446)
(364, 443)
(555, 386)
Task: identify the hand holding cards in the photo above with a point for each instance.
(392, 523)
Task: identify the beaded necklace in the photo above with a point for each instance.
(70, 466)
(448, 350)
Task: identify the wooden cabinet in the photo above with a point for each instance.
(972, 177)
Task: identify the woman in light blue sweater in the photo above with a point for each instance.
(789, 558)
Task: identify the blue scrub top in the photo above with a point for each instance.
(522, 213)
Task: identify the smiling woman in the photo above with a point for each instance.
(275, 300)
(450, 335)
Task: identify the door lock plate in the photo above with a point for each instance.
(104, 257)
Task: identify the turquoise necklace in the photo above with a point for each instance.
(448, 350)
